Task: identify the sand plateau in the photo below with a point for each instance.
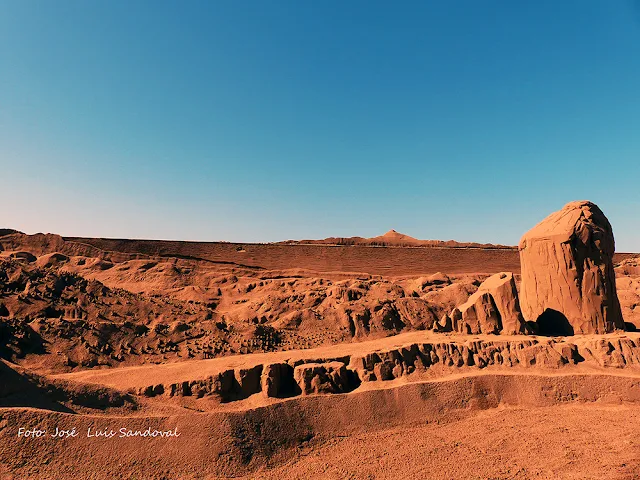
(340, 358)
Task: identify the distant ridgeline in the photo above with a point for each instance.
(394, 239)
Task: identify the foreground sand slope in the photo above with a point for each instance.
(572, 441)
(449, 428)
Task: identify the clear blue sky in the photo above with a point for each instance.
(269, 120)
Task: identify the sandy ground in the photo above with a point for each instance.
(580, 441)
(414, 431)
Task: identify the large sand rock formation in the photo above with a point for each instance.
(493, 308)
(568, 282)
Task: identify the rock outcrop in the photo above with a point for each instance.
(277, 381)
(503, 291)
(477, 315)
(493, 308)
(568, 282)
(330, 377)
(329, 374)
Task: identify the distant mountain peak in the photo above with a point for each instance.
(396, 236)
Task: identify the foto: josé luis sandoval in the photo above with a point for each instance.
(123, 432)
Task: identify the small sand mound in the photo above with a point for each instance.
(51, 259)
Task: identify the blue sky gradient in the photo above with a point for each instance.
(265, 121)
